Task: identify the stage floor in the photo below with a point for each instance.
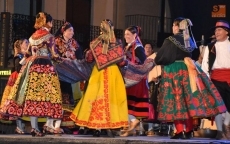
(88, 139)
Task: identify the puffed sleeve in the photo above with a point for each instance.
(166, 54)
(53, 50)
(78, 52)
(133, 73)
(140, 53)
(17, 65)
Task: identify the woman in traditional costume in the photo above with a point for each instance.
(137, 95)
(36, 92)
(185, 90)
(20, 47)
(104, 104)
(67, 48)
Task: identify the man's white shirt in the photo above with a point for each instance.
(222, 56)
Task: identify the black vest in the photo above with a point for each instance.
(211, 55)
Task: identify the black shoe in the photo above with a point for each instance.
(110, 133)
(81, 131)
(67, 130)
(189, 134)
(37, 133)
(96, 133)
(180, 135)
(220, 136)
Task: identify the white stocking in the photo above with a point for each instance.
(19, 124)
(219, 122)
(227, 118)
(50, 123)
(150, 126)
(34, 122)
(132, 118)
(57, 124)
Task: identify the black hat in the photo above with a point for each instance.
(222, 24)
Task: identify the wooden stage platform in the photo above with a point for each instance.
(88, 139)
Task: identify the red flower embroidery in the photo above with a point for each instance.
(166, 84)
(196, 102)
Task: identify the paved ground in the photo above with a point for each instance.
(83, 139)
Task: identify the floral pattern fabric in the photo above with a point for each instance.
(176, 101)
(66, 49)
(36, 91)
(104, 104)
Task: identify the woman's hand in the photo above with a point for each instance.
(152, 56)
(66, 59)
(123, 63)
(89, 56)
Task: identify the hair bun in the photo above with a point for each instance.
(40, 20)
(138, 30)
(38, 15)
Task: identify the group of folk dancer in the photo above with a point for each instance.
(48, 68)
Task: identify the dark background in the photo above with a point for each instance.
(199, 12)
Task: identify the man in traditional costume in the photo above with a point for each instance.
(216, 64)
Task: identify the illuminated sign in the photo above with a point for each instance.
(219, 11)
(5, 72)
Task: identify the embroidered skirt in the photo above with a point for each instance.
(176, 101)
(36, 91)
(104, 103)
(6, 93)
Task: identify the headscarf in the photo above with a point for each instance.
(138, 34)
(64, 27)
(107, 36)
(184, 39)
(185, 26)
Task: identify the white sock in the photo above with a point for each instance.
(132, 118)
(150, 126)
(227, 118)
(34, 122)
(219, 122)
(57, 124)
(19, 124)
(49, 123)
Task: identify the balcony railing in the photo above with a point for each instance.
(150, 26)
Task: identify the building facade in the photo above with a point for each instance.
(84, 15)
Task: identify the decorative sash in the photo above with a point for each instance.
(115, 54)
(192, 71)
(222, 75)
